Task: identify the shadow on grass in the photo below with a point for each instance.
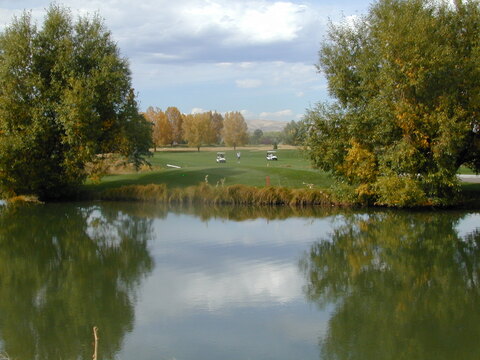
(471, 195)
(172, 178)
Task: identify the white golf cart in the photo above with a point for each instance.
(221, 157)
(271, 155)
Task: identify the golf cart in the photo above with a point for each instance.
(221, 157)
(272, 155)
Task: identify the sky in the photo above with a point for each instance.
(253, 56)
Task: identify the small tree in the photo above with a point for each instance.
(256, 136)
(235, 129)
(294, 133)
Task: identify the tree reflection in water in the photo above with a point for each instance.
(404, 285)
(63, 269)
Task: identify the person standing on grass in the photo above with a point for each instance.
(238, 156)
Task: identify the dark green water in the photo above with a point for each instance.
(237, 283)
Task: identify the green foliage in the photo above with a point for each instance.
(294, 133)
(74, 265)
(406, 80)
(399, 191)
(65, 96)
(271, 137)
(256, 137)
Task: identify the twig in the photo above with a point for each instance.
(95, 345)
(4, 356)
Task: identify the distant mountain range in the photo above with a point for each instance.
(265, 125)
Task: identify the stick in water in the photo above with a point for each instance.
(95, 345)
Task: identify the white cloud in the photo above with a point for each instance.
(248, 83)
(162, 56)
(292, 77)
(197, 110)
(224, 64)
(194, 52)
(244, 22)
(246, 65)
(277, 114)
(190, 28)
(239, 285)
(247, 114)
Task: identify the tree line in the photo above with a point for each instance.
(171, 127)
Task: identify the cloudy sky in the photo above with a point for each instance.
(253, 56)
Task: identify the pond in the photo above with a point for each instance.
(237, 283)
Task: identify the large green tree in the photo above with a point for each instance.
(405, 80)
(65, 98)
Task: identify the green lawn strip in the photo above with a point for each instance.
(291, 170)
(465, 170)
(247, 175)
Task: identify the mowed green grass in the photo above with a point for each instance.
(291, 170)
(465, 170)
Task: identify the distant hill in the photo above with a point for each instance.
(265, 125)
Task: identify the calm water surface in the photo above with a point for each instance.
(237, 283)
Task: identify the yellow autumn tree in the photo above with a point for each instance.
(235, 130)
(198, 129)
(175, 118)
(217, 122)
(162, 133)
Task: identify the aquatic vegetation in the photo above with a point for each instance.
(209, 194)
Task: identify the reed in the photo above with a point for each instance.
(152, 192)
(204, 193)
(23, 199)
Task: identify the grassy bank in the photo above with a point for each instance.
(200, 179)
(219, 195)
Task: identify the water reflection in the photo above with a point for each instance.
(227, 288)
(64, 269)
(224, 282)
(406, 286)
(223, 212)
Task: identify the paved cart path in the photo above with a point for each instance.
(470, 178)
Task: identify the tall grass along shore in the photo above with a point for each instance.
(219, 195)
